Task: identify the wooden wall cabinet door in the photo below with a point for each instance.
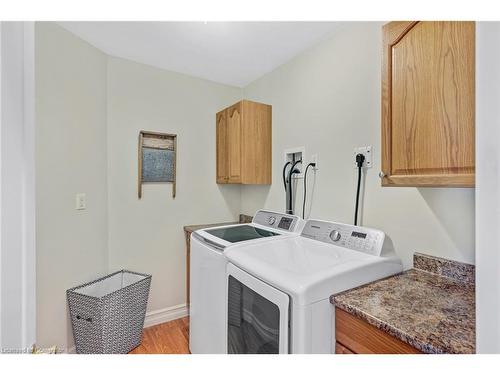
(244, 144)
(256, 147)
(222, 160)
(428, 104)
(234, 142)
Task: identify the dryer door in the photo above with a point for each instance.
(257, 315)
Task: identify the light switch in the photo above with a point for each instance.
(80, 201)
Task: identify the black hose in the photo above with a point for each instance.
(357, 197)
(284, 173)
(305, 189)
(360, 158)
(290, 195)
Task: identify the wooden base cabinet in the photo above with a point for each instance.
(244, 144)
(428, 104)
(355, 336)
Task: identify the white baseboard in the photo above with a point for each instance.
(165, 315)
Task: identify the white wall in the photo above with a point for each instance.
(71, 157)
(17, 196)
(488, 187)
(90, 109)
(146, 235)
(328, 100)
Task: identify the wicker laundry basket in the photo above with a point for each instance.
(107, 314)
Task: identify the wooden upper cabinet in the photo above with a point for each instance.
(428, 104)
(244, 144)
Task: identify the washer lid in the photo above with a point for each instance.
(240, 233)
(265, 226)
(310, 270)
(223, 237)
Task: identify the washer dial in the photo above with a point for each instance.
(335, 235)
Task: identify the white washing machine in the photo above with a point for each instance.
(208, 272)
(278, 293)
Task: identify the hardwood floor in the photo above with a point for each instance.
(166, 338)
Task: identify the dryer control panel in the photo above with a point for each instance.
(366, 240)
(276, 220)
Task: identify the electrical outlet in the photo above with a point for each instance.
(367, 152)
(314, 159)
(81, 201)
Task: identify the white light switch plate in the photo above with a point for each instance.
(81, 201)
(367, 152)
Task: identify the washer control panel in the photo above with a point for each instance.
(365, 240)
(277, 220)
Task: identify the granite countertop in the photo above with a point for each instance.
(193, 228)
(431, 307)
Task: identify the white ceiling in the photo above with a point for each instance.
(233, 53)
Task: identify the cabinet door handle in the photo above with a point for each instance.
(381, 174)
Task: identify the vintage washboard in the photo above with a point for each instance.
(157, 159)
